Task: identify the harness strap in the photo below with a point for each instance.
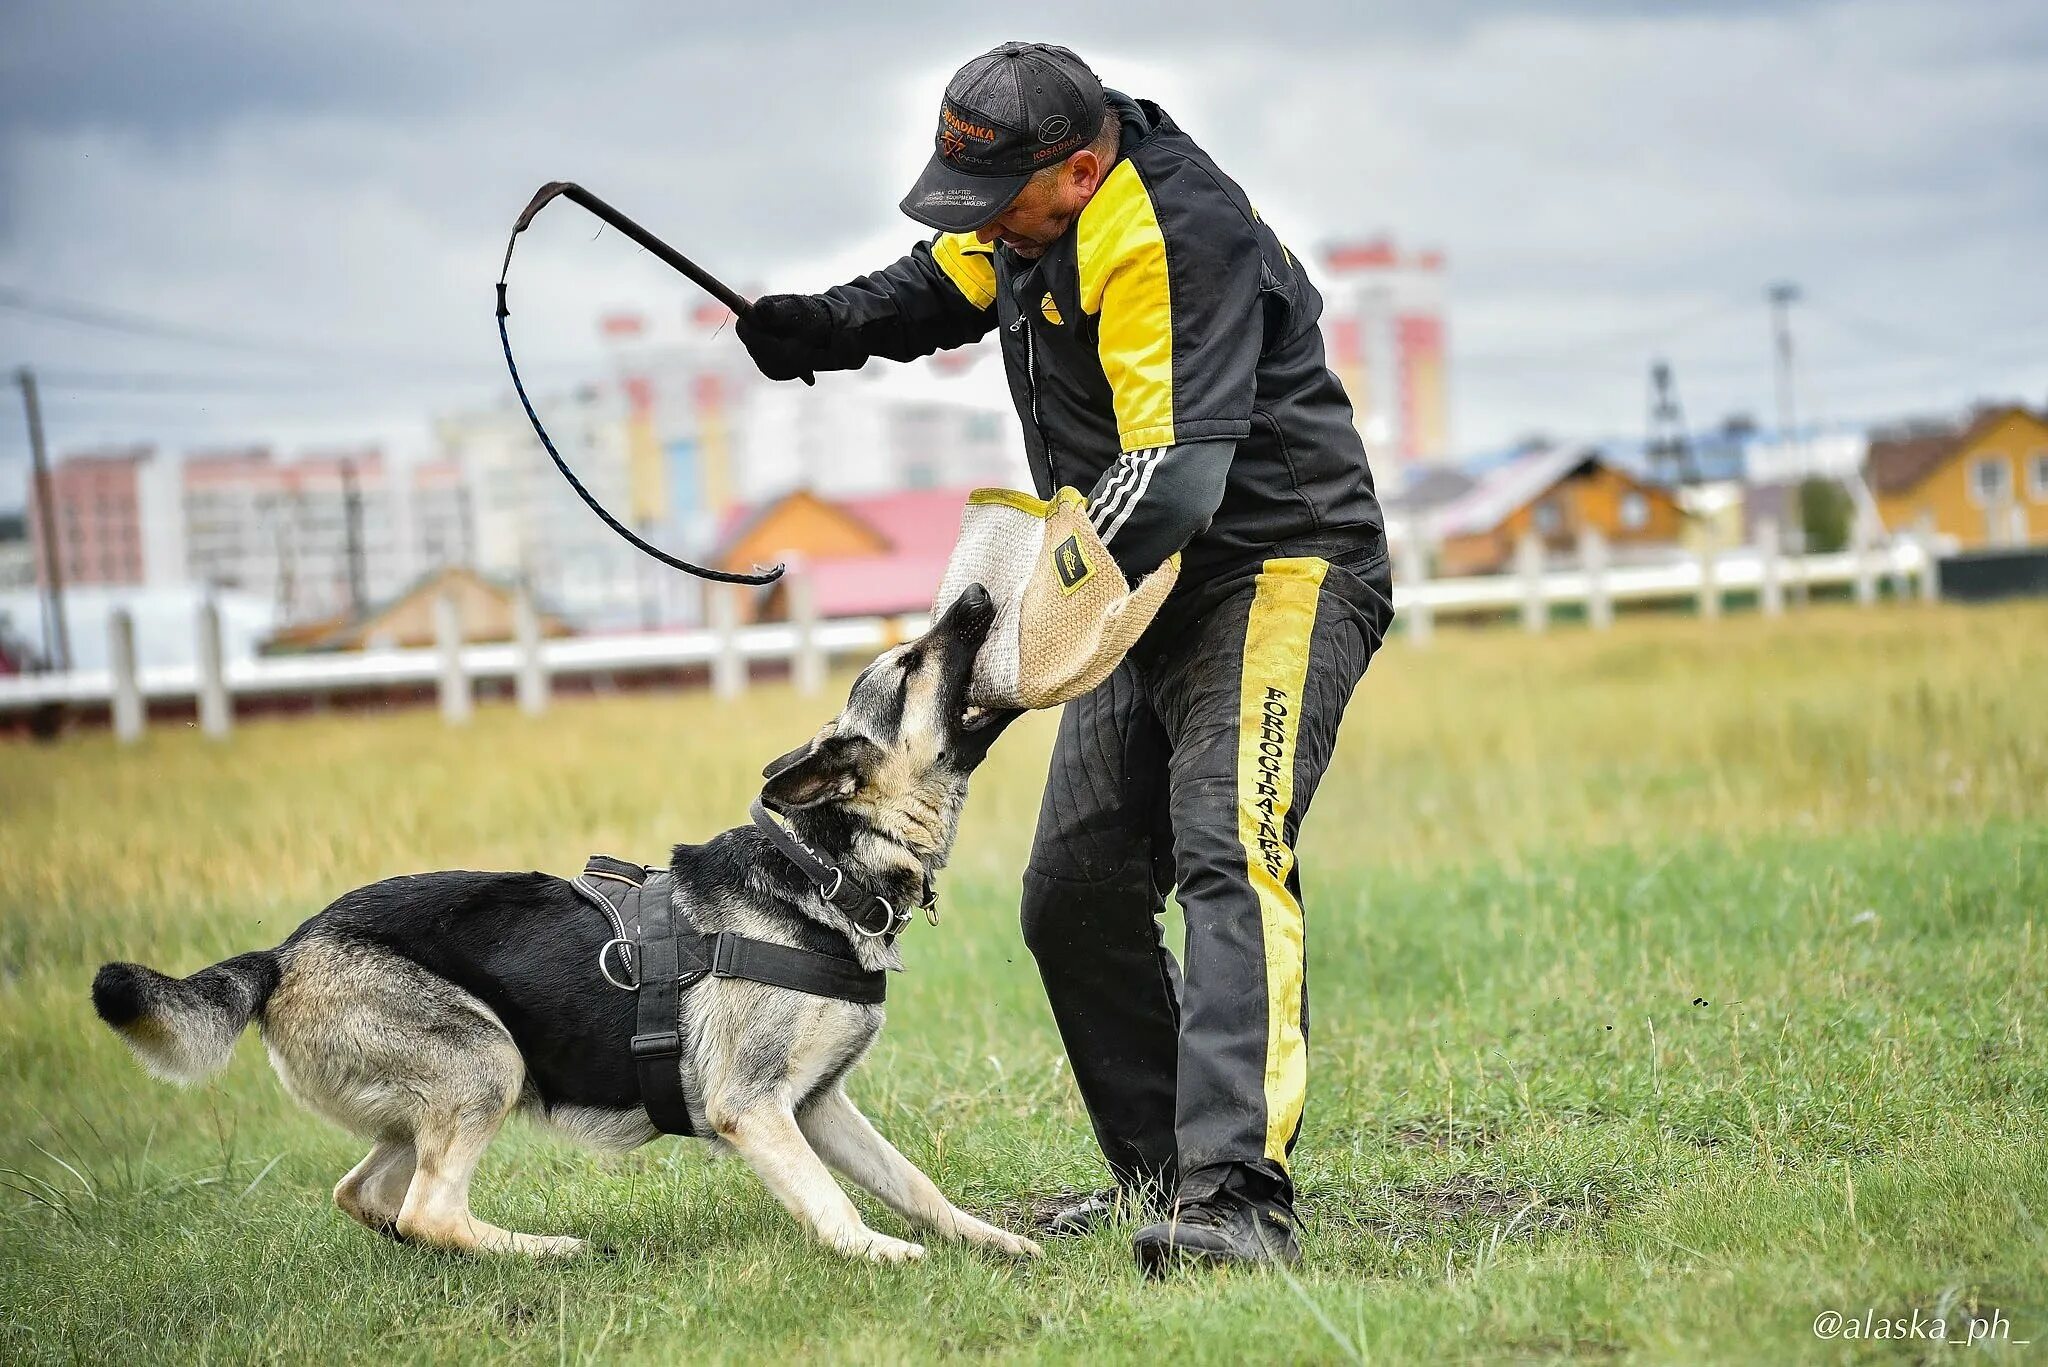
(671, 958)
(800, 970)
(658, 1043)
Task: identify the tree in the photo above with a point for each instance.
(1825, 512)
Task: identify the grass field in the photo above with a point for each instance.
(1672, 987)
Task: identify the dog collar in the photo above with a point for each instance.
(870, 913)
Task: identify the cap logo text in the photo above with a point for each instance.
(979, 132)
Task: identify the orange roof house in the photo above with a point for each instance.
(876, 555)
(1553, 493)
(1985, 484)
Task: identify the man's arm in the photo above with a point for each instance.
(1150, 504)
(941, 295)
(1175, 280)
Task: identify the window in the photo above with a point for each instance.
(1635, 511)
(2037, 476)
(1547, 518)
(1990, 480)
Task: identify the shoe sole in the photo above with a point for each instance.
(1157, 1260)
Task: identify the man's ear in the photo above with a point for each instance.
(829, 767)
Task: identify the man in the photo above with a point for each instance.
(1163, 354)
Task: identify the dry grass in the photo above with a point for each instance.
(1531, 858)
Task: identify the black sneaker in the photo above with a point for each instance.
(1221, 1228)
(1097, 1211)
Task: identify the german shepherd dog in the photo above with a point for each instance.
(421, 1011)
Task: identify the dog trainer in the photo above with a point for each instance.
(1163, 353)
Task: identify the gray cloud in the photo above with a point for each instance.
(1609, 180)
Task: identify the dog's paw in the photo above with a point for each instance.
(1017, 1246)
(882, 1248)
(982, 1234)
(549, 1245)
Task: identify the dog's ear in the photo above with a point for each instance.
(829, 767)
(783, 761)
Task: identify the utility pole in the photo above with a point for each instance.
(352, 525)
(1669, 449)
(56, 632)
(1783, 295)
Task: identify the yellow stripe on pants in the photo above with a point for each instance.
(1276, 641)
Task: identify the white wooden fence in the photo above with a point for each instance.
(807, 646)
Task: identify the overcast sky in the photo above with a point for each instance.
(329, 187)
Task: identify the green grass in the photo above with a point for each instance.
(1671, 987)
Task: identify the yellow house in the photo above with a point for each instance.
(1986, 485)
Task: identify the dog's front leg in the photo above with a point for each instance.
(846, 1140)
(767, 1136)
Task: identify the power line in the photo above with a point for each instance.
(119, 383)
(139, 325)
(1627, 341)
(132, 324)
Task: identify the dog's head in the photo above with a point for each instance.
(898, 757)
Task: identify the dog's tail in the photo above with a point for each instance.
(184, 1029)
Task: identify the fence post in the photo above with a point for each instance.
(456, 701)
(1414, 568)
(728, 669)
(1710, 578)
(1930, 569)
(1770, 588)
(1529, 564)
(1865, 564)
(129, 713)
(807, 665)
(533, 670)
(216, 711)
(1593, 559)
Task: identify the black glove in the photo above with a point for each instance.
(791, 335)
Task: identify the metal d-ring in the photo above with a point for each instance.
(931, 909)
(838, 877)
(626, 957)
(891, 922)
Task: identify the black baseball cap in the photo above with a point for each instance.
(1010, 112)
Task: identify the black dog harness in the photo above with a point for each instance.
(649, 953)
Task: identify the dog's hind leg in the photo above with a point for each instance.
(851, 1144)
(374, 1190)
(436, 1209)
(767, 1136)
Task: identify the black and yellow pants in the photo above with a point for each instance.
(1190, 769)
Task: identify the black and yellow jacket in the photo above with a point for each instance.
(1164, 356)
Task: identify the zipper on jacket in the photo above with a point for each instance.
(1031, 388)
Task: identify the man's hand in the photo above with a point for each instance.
(789, 336)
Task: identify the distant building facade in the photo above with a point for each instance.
(317, 536)
(114, 524)
(526, 523)
(1383, 328)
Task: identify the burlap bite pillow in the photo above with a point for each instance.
(1064, 616)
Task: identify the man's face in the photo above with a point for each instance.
(1046, 207)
